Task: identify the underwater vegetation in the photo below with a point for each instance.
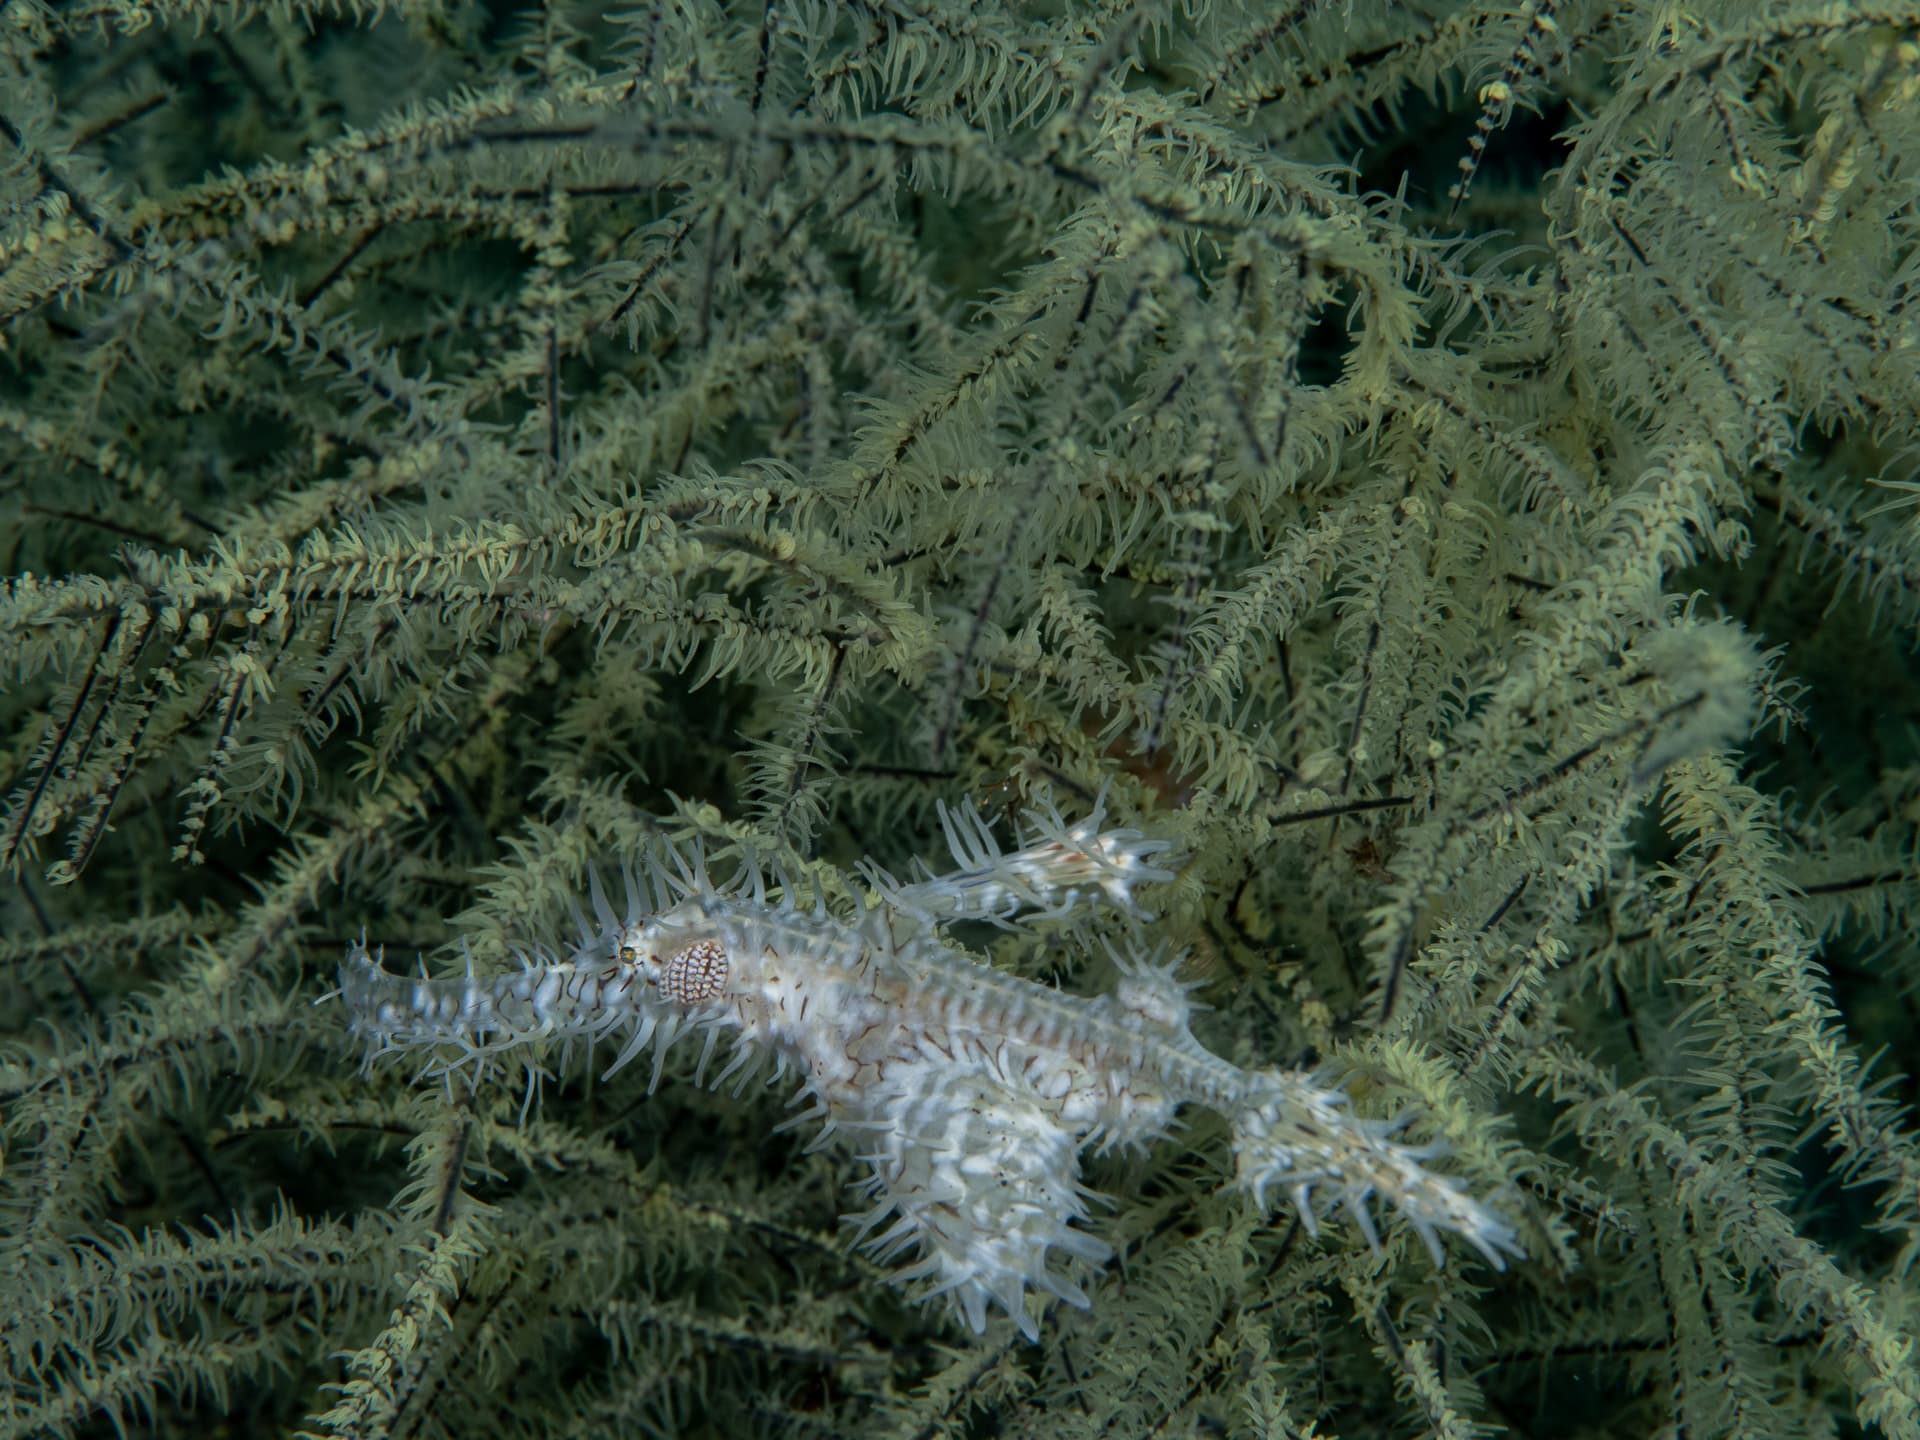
(1374, 544)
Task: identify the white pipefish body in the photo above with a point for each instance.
(968, 1092)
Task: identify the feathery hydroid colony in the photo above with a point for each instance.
(970, 1092)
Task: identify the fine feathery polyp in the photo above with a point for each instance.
(969, 1092)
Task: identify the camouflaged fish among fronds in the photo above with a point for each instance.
(1434, 479)
(971, 1093)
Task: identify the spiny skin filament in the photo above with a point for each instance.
(971, 1092)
